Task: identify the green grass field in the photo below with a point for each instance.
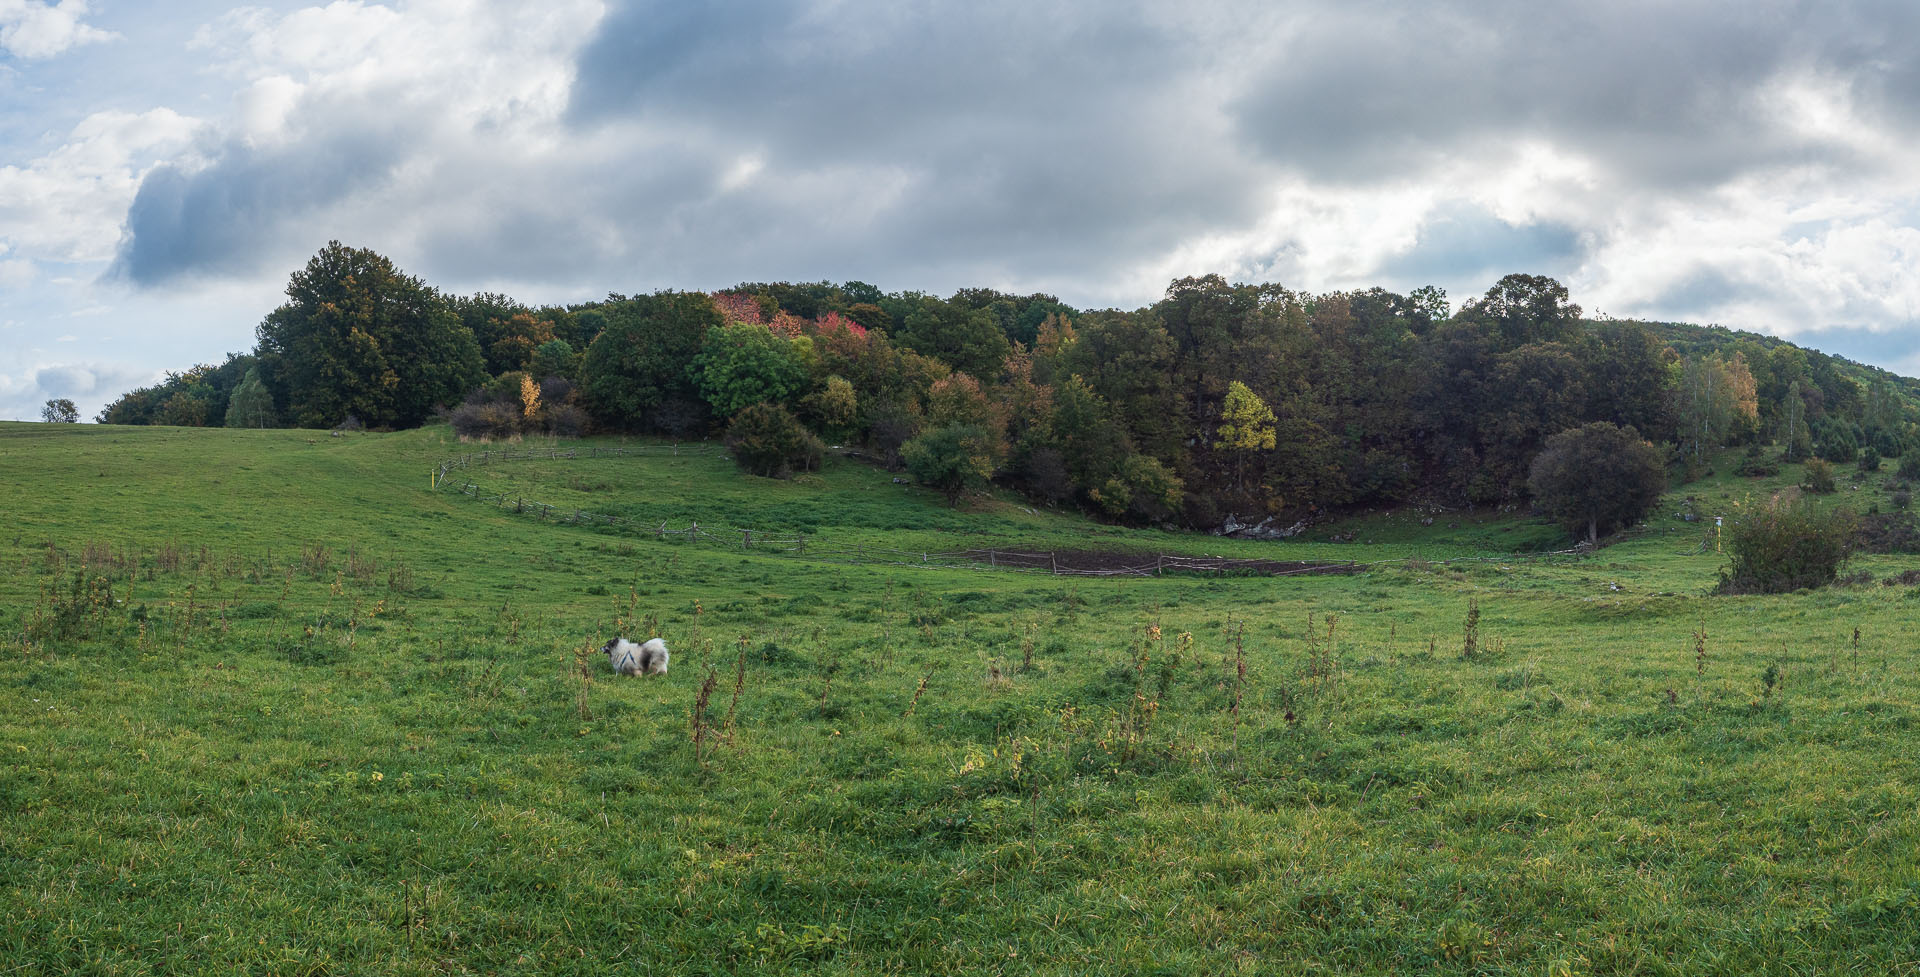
(274, 705)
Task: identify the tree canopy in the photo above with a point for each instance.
(1220, 398)
(1597, 478)
(642, 360)
(359, 338)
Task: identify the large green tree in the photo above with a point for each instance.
(359, 338)
(1597, 478)
(745, 363)
(968, 340)
(640, 362)
(1524, 309)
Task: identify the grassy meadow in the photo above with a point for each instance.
(270, 703)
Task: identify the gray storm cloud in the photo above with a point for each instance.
(1050, 138)
(1667, 94)
(222, 217)
(1063, 145)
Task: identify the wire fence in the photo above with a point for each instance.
(1056, 562)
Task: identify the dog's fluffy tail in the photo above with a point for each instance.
(653, 657)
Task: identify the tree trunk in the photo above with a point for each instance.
(1593, 531)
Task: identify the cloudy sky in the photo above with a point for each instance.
(163, 167)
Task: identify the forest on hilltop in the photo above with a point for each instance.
(1219, 399)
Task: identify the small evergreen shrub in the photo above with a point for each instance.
(1837, 442)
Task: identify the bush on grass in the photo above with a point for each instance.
(1784, 545)
(766, 439)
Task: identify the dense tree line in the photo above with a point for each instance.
(1219, 399)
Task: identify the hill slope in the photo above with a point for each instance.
(273, 703)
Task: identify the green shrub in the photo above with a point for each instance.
(768, 440)
(1785, 545)
(1869, 459)
(1837, 441)
(955, 459)
(1910, 466)
(1819, 478)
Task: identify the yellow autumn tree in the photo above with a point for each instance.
(529, 396)
(1718, 398)
(1246, 427)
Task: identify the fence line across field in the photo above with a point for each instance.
(1015, 561)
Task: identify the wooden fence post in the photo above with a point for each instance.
(1053, 558)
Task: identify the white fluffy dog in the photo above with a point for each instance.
(628, 658)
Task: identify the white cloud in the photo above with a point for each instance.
(1756, 172)
(374, 125)
(91, 385)
(34, 29)
(69, 204)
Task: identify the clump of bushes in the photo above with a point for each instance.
(766, 439)
(1785, 544)
(512, 405)
(1890, 532)
(1819, 478)
(485, 421)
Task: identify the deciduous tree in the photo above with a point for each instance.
(1717, 398)
(746, 363)
(1597, 478)
(639, 363)
(358, 337)
(1246, 427)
